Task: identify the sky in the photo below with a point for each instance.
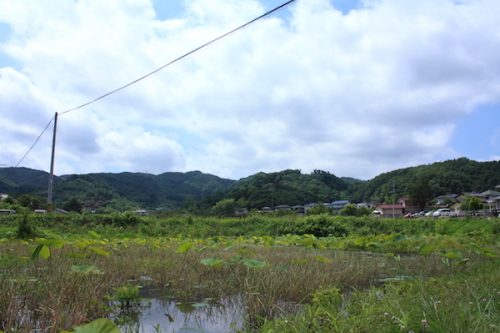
(355, 88)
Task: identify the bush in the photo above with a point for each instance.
(24, 229)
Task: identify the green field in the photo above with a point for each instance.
(341, 274)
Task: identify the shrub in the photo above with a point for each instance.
(24, 228)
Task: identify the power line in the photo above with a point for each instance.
(34, 143)
(155, 71)
(178, 58)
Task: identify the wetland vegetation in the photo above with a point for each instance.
(283, 273)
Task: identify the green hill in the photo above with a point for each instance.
(139, 190)
(128, 190)
(292, 187)
(23, 180)
(289, 187)
(452, 176)
(120, 191)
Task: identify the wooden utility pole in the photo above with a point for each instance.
(393, 200)
(51, 175)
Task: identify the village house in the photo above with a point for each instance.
(446, 199)
(339, 204)
(389, 210)
(408, 205)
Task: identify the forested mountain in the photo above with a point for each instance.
(292, 187)
(452, 176)
(289, 187)
(173, 189)
(22, 180)
(117, 190)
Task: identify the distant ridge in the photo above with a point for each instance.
(127, 190)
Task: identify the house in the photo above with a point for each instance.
(488, 196)
(364, 205)
(266, 210)
(446, 199)
(283, 207)
(141, 212)
(408, 205)
(339, 204)
(3, 196)
(496, 201)
(241, 212)
(390, 210)
(299, 209)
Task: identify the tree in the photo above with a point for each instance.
(225, 207)
(73, 205)
(471, 203)
(349, 210)
(30, 201)
(420, 193)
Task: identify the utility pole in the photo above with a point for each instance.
(51, 175)
(393, 199)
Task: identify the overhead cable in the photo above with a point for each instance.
(34, 143)
(177, 59)
(155, 71)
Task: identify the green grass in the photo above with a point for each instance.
(467, 302)
(366, 275)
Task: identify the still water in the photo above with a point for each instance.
(169, 316)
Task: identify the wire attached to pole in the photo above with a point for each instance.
(155, 71)
(178, 58)
(34, 143)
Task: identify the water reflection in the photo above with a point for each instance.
(169, 316)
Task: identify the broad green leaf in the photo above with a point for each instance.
(184, 247)
(254, 263)
(102, 325)
(41, 251)
(45, 252)
(212, 262)
(54, 243)
(99, 251)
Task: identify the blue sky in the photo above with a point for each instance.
(477, 134)
(352, 87)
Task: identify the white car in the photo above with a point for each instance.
(442, 212)
(429, 213)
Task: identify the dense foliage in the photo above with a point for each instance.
(199, 192)
(122, 191)
(289, 187)
(453, 176)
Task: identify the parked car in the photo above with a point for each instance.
(419, 214)
(429, 213)
(442, 212)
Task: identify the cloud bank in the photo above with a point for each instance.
(371, 90)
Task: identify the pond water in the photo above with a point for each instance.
(169, 316)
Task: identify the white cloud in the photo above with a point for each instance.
(356, 94)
